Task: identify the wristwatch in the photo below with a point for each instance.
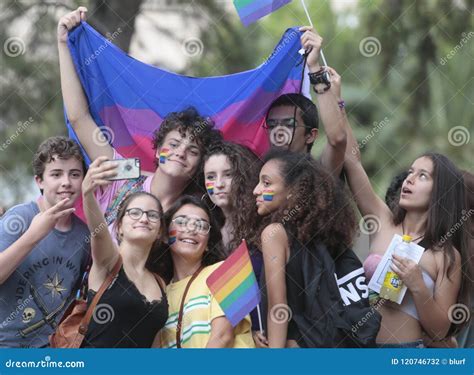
(320, 81)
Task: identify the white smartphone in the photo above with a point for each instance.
(127, 169)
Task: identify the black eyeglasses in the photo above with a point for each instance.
(184, 223)
(137, 213)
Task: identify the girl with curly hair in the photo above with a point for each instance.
(194, 251)
(305, 211)
(230, 174)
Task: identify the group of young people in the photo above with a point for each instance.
(166, 232)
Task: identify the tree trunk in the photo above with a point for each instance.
(115, 19)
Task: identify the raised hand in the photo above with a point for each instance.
(98, 175)
(311, 42)
(45, 221)
(69, 22)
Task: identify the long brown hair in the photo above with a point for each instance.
(245, 166)
(444, 229)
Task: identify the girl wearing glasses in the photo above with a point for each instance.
(195, 249)
(134, 308)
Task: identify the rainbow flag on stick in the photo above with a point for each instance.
(234, 285)
(251, 11)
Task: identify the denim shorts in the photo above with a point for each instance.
(418, 344)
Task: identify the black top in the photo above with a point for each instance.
(123, 317)
(295, 288)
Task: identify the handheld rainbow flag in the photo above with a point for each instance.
(234, 285)
(164, 155)
(268, 195)
(210, 187)
(251, 11)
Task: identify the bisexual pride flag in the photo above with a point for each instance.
(252, 10)
(128, 99)
(234, 285)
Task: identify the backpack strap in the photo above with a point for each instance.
(90, 310)
(130, 187)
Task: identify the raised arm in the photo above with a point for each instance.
(103, 249)
(77, 108)
(41, 225)
(333, 154)
(368, 202)
(274, 249)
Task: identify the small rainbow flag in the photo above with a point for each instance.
(172, 237)
(234, 285)
(210, 187)
(164, 152)
(268, 195)
(251, 11)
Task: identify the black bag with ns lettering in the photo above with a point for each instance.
(363, 319)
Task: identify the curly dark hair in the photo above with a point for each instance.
(163, 262)
(62, 147)
(317, 207)
(155, 248)
(245, 167)
(201, 129)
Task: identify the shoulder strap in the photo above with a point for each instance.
(90, 310)
(131, 186)
(181, 307)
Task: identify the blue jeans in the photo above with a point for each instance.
(418, 344)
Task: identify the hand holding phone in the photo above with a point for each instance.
(127, 169)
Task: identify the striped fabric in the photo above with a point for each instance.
(200, 309)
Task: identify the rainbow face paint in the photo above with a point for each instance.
(172, 237)
(268, 195)
(164, 152)
(210, 187)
